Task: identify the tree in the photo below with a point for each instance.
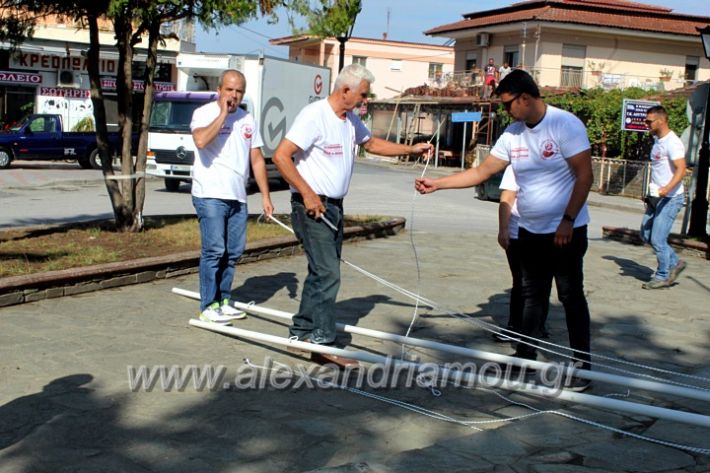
(333, 18)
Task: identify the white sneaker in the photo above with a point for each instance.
(214, 314)
(230, 311)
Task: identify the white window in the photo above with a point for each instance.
(362, 60)
(435, 70)
(692, 63)
(396, 65)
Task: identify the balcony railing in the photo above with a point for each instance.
(565, 77)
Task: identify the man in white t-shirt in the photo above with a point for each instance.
(504, 70)
(227, 142)
(508, 221)
(666, 197)
(322, 142)
(550, 153)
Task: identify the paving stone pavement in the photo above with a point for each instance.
(66, 404)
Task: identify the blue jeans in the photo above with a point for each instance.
(315, 318)
(655, 228)
(223, 233)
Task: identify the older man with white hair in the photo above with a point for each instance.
(322, 142)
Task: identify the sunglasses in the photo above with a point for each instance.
(649, 122)
(509, 103)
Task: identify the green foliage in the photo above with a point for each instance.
(85, 124)
(600, 110)
(329, 17)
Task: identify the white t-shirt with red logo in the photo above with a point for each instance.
(508, 183)
(539, 159)
(327, 147)
(221, 169)
(666, 150)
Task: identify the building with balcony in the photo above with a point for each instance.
(397, 65)
(585, 43)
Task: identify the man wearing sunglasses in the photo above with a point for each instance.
(550, 154)
(666, 197)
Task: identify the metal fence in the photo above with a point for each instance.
(620, 177)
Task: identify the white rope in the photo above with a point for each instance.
(689, 448)
(472, 424)
(526, 339)
(415, 314)
(404, 405)
(122, 177)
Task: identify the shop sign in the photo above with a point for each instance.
(68, 93)
(51, 62)
(139, 85)
(633, 114)
(20, 77)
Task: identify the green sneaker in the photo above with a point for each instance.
(229, 310)
(213, 314)
(656, 284)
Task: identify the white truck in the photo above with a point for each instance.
(277, 89)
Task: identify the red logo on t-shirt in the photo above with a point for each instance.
(549, 149)
(247, 131)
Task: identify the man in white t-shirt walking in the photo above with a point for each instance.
(322, 142)
(550, 153)
(227, 141)
(666, 197)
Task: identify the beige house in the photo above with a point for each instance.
(585, 43)
(397, 65)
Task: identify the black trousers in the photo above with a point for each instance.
(541, 262)
(517, 304)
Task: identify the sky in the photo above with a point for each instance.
(408, 19)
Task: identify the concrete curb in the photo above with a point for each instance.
(627, 235)
(620, 207)
(67, 282)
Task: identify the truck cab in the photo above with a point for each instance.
(171, 149)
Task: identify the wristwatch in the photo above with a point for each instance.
(568, 217)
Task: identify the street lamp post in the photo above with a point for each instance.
(699, 208)
(342, 39)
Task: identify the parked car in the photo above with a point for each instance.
(41, 137)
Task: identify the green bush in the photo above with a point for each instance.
(85, 124)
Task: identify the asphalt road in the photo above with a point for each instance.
(33, 193)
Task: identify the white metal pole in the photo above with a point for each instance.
(463, 145)
(484, 379)
(638, 383)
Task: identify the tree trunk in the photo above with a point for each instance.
(131, 219)
(97, 100)
(150, 65)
